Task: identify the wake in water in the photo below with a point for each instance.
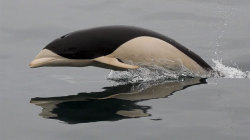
(158, 74)
(147, 74)
(228, 72)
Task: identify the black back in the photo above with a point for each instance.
(96, 42)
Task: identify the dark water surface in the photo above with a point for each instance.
(80, 103)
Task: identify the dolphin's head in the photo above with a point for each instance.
(60, 52)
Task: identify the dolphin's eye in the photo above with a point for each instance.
(64, 36)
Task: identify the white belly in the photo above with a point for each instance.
(149, 51)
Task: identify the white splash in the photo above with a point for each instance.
(159, 74)
(228, 72)
(146, 74)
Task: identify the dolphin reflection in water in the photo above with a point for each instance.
(112, 104)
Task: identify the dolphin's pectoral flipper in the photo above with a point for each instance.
(113, 63)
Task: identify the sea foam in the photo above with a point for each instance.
(158, 74)
(228, 72)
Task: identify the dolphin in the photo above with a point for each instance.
(119, 48)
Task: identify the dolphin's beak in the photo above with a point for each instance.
(44, 58)
(48, 58)
(39, 62)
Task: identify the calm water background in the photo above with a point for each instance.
(215, 29)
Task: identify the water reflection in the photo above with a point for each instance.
(112, 104)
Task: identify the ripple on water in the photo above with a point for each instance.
(158, 74)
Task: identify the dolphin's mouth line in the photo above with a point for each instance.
(35, 63)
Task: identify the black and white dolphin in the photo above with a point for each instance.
(119, 48)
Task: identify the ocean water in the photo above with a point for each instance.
(94, 103)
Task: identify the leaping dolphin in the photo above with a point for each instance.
(119, 48)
